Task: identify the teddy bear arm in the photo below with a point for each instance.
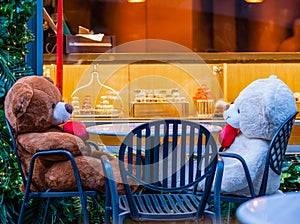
(35, 142)
(233, 178)
(233, 181)
(60, 176)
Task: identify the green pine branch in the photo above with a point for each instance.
(14, 35)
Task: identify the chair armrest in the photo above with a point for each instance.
(245, 167)
(219, 174)
(217, 189)
(54, 152)
(112, 197)
(92, 144)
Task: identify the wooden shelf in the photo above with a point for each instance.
(188, 57)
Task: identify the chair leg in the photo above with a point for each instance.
(107, 214)
(23, 206)
(21, 214)
(228, 212)
(120, 220)
(209, 218)
(83, 201)
(46, 210)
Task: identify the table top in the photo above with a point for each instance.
(272, 209)
(122, 129)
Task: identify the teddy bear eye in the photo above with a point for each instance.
(238, 110)
(53, 105)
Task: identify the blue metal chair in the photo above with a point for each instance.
(48, 194)
(168, 159)
(274, 160)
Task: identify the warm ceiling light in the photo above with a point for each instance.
(254, 1)
(135, 1)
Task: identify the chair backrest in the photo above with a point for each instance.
(10, 131)
(168, 156)
(277, 149)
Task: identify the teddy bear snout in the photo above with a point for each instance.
(62, 113)
(69, 108)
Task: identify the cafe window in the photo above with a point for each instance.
(200, 25)
(220, 40)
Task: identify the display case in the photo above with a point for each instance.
(129, 73)
(96, 100)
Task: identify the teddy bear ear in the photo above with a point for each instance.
(49, 79)
(20, 99)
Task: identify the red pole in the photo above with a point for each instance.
(59, 46)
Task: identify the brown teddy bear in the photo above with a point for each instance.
(34, 109)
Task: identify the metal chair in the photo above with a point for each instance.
(274, 160)
(166, 158)
(48, 194)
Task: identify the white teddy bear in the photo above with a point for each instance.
(254, 118)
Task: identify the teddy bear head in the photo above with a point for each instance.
(261, 107)
(34, 104)
(232, 116)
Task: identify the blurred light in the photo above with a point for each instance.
(254, 1)
(136, 1)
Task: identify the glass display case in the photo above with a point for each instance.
(96, 100)
(232, 44)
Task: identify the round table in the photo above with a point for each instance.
(271, 209)
(113, 134)
(122, 129)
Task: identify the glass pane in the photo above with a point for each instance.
(200, 25)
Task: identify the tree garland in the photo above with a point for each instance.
(14, 35)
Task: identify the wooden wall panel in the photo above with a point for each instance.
(77, 13)
(72, 76)
(75, 76)
(228, 84)
(271, 22)
(127, 21)
(224, 28)
(238, 76)
(187, 78)
(170, 20)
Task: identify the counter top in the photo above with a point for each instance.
(122, 129)
(93, 121)
(188, 57)
(98, 121)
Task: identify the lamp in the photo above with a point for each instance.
(135, 1)
(254, 1)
